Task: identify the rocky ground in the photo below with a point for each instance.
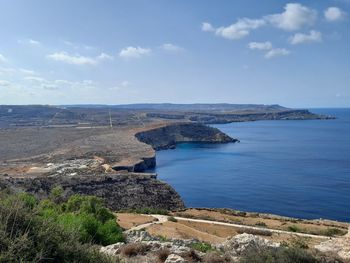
(159, 238)
(105, 162)
(105, 151)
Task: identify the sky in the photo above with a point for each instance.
(296, 54)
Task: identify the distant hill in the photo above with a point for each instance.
(187, 107)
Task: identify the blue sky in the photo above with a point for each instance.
(296, 54)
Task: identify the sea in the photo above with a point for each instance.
(296, 168)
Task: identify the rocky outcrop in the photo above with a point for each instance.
(338, 246)
(168, 136)
(232, 249)
(120, 191)
(239, 244)
(138, 166)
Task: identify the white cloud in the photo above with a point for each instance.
(75, 60)
(294, 17)
(207, 27)
(333, 14)
(134, 52)
(2, 58)
(4, 83)
(33, 42)
(104, 56)
(125, 83)
(238, 30)
(27, 71)
(7, 71)
(35, 79)
(29, 41)
(171, 47)
(277, 52)
(299, 38)
(260, 45)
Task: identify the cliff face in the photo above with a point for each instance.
(119, 191)
(166, 137)
(87, 164)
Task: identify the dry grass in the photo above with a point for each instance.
(134, 249)
(162, 254)
(181, 231)
(259, 232)
(129, 220)
(272, 222)
(212, 229)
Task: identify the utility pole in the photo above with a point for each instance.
(110, 120)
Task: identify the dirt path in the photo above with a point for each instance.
(163, 218)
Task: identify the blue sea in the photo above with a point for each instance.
(292, 168)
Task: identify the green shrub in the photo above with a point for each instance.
(260, 232)
(334, 232)
(261, 224)
(33, 231)
(294, 228)
(172, 219)
(202, 247)
(109, 233)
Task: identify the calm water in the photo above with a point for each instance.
(292, 168)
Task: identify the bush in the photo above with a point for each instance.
(260, 232)
(278, 255)
(191, 256)
(202, 247)
(162, 254)
(33, 231)
(213, 257)
(334, 232)
(261, 224)
(299, 242)
(147, 211)
(287, 255)
(172, 219)
(294, 228)
(109, 233)
(134, 249)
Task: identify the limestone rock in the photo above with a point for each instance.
(120, 191)
(339, 246)
(239, 244)
(172, 258)
(113, 249)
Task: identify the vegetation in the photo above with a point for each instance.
(147, 211)
(162, 254)
(53, 230)
(202, 247)
(172, 219)
(259, 232)
(334, 232)
(134, 249)
(261, 224)
(286, 255)
(294, 228)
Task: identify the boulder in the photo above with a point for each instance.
(237, 245)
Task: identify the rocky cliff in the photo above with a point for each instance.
(120, 191)
(167, 136)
